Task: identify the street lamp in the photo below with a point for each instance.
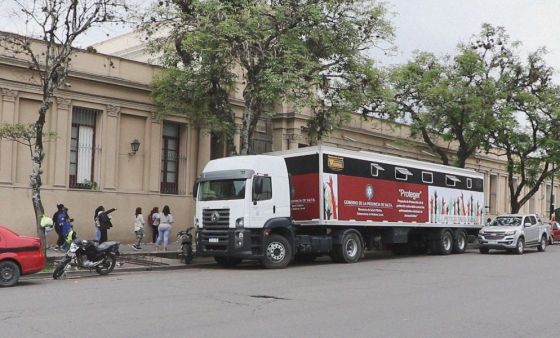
(134, 146)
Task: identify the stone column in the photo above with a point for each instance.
(7, 147)
(204, 142)
(62, 124)
(110, 147)
(154, 148)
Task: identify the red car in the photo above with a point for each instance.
(555, 231)
(19, 255)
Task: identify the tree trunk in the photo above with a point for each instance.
(37, 161)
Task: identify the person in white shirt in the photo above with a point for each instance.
(138, 228)
(165, 222)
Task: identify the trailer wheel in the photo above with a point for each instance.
(349, 250)
(460, 242)
(277, 252)
(443, 243)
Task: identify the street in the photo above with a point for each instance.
(468, 295)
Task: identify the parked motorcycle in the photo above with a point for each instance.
(185, 238)
(86, 254)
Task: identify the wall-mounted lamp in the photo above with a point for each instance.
(134, 146)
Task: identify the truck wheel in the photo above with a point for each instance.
(443, 244)
(9, 273)
(542, 246)
(484, 250)
(460, 242)
(277, 252)
(520, 247)
(349, 250)
(227, 262)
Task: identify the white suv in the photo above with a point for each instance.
(513, 233)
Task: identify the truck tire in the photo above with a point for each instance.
(349, 250)
(460, 242)
(227, 262)
(542, 246)
(520, 247)
(277, 252)
(443, 243)
(484, 250)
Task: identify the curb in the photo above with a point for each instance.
(75, 273)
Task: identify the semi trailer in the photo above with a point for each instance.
(313, 201)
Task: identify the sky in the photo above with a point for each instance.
(435, 26)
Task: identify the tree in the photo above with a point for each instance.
(309, 54)
(448, 99)
(49, 54)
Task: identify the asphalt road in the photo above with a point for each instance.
(468, 295)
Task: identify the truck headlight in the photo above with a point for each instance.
(511, 232)
(240, 223)
(238, 239)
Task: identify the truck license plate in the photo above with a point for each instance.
(213, 240)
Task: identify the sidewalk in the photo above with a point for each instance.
(130, 260)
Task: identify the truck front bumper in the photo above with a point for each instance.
(237, 243)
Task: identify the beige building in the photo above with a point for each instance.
(105, 106)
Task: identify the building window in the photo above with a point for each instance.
(170, 158)
(82, 144)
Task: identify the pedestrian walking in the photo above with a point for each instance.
(105, 224)
(153, 221)
(165, 222)
(138, 228)
(98, 211)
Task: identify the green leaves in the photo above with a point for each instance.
(305, 53)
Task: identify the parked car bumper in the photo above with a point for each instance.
(508, 242)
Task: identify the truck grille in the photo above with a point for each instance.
(216, 219)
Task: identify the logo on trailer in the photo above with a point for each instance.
(335, 163)
(214, 217)
(369, 192)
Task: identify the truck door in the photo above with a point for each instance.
(531, 230)
(262, 207)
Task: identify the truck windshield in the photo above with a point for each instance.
(233, 189)
(506, 221)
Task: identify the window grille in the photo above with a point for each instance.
(82, 145)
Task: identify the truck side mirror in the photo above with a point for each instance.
(527, 224)
(195, 189)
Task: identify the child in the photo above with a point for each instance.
(138, 228)
(68, 232)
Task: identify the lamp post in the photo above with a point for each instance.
(134, 146)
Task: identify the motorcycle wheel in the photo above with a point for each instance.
(187, 254)
(107, 265)
(59, 270)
